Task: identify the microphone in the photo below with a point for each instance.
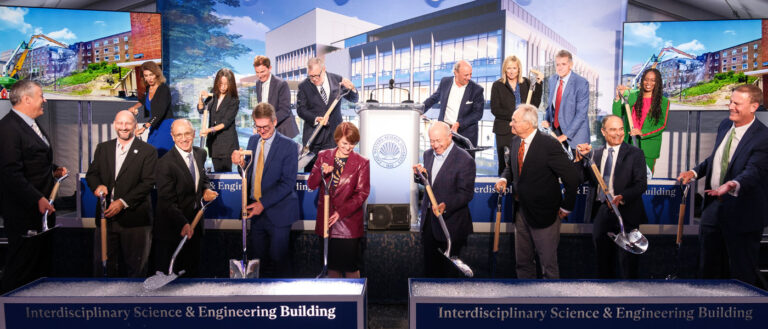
(391, 84)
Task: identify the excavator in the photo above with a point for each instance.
(655, 60)
(8, 75)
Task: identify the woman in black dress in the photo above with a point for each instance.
(222, 109)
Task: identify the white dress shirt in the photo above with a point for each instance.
(454, 103)
(714, 179)
(120, 154)
(185, 157)
(265, 90)
(326, 86)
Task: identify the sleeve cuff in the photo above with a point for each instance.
(735, 191)
(125, 205)
(565, 211)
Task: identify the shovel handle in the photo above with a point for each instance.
(244, 190)
(680, 219)
(103, 238)
(326, 211)
(496, 229)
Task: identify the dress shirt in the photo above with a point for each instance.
(439, 160)
(326, 86)
(185, 157)
(120, 154)
(565, 83)
(454, 102)
(714, 179)
(616, 148)
(265, 90)
(31, 122)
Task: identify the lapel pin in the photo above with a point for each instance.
(135, 151)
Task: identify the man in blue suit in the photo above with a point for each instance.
(451, 171)
(735, 208)
(316, 93)
(568, 107)
(272, 202)
(461, 101)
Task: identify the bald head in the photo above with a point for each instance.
(125, 124)
(181, 125)
(440, 136)
(462, 73)
(183, 134)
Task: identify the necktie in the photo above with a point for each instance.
(520, 155)
(39, 133)
(192, 167)
(607, 173)
(259, 172)
(558, 98)
(726, 155)
(324, 95)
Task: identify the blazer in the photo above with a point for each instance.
(504, 103)
(309, 105)
(221, 143)
(280, 98)
(177, 200)
(278, 181)
(160, 103)
(470, 111)
(537, 187)
(749, 164)
(455, 186)
(133, 184)
(574, 108)
(650, 140)
(347, 198)
(26, 174)
(630, 180)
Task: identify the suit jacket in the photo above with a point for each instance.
(574, 108)
(748, 211)
(650, 140)
(537, 187)
(504, 103)
(26, 174)
(455, 186)
(309, 105)
(347, 197)
(278, 181)
(221, 143)
(133, 184)
(280, 98)
(470, 111)
(630, 180)
(160, 104)
(177, 200)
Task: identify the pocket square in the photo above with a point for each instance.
(468, 102)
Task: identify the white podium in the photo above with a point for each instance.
(389, 138)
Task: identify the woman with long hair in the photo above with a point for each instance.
(157, 107)
(349, 173)
(506, 94)
(649, 113)
(222, 109)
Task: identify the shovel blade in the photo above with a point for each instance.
(633, 242)
(236, 270)
(459, 264)
(159, 280)
(305, 159)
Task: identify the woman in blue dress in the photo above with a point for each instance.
(157, 107)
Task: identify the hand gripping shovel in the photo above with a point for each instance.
(244, 268)
(635, 140)
(633, 242)
(305, 156)
(160, 279)
(679, 238)
(461, 266)
(496, 229)
(103, 232)
(45, 228)
(326, 211)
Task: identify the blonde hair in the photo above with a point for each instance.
(510, 60)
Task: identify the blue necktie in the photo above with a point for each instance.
(192, 168)
(607, 173)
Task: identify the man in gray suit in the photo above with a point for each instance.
(273, 90)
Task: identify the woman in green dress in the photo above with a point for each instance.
(649, 115)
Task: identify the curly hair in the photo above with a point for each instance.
(656, 94)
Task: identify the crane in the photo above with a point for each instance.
(655, 60)
(7, 79)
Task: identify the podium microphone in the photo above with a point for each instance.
(391, 84)
(370, 97)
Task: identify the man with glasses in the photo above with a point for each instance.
(273, 205)
(123, 170)
(316, 93)
(181, 183)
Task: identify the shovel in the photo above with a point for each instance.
(160, 279)
(103, 232)
(326, 211)
(533, 85)
(460, 265)
(635, 140)
(305, 156)
(204, 119)
(244, 268)
(497, 225)
(679, 239)
(633, 242)
(45, 228)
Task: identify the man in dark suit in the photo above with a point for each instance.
(275, 91)
(624, 172)
(451, 171)
(568, 109)
(123, 169)
(27, 176)
(536, 162)
(735, 208)
(461, 101)
(273, 204)
(181, 184)
(316, 93)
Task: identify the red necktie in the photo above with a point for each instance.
(558, 98)
(520, 155)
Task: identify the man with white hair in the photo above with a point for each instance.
(535, 164)
(461, 101)
(181, 184)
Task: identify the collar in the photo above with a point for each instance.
(184, 154)
(565, 78)
(128, 146)
(529, 139)
(743, 129)
(445, 153)
(24, 117)
(457, 86)
(269, 79)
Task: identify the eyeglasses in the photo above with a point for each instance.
(184, 135)
(315, 76)
(262, 128)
